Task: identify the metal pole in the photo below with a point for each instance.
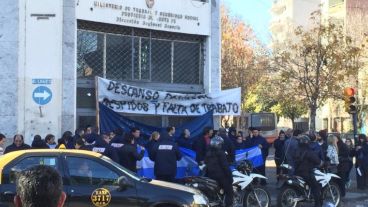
(355, 127)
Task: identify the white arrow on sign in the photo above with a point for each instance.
(44, 95)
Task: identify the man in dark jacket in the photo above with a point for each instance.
(184, 140)
(38, 143)
(139, 140)
(258, 140)
(291, 147)
(102, 146)
(119, 136)
(165, 154)
(343, 168)
(305, 161)
(128, 154)
(18, 144)
(91, 135)
(202, 144)
(362, 162)
(279, 153)
(228, 145)
(315, 147)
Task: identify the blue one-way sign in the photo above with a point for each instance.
(42, 95)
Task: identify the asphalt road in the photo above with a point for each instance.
(353, 198)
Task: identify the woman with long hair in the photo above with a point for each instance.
(332, 151)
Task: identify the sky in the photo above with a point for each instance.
(255, 13)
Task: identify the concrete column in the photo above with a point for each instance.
(9, 41)
(69, 74)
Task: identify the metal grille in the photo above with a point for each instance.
(125, 53)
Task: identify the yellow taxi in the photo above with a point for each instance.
(91, 179)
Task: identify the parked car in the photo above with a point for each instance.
(91, 179)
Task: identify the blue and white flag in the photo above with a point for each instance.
(187, 166)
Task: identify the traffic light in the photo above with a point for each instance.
(349, 97)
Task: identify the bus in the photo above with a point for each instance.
(264, 121)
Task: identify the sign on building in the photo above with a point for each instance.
(182, 16)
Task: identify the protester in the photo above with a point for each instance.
(155, 136)
(184, 139)
(38, 143)
(50, 141)
(68, 139)
(362, 162)
(232, 133)
(258, 140)
(291, 147)
(81, 145)
(91, 135)
(288, 134)
(202, 143)
(332, 152)
(2, 142)
(171, 132)
(118, 136)
(305, 161)
(315, 147)
(137, 136)
(18, 144)
(279, 153)
(79, 133)
(351, 149)
(61, 144)
(239, 143)
(228, 145)
(165, 154)
(322, 141)
(218, 168)
(39, 186)
(344, 166)
(128, 155)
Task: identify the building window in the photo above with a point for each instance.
(130, 54)
(325, 123)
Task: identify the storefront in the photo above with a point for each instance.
(52, 50)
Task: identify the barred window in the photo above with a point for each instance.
(131, 54)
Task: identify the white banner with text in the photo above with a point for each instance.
(125, 98)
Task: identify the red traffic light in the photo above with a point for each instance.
(349, 91)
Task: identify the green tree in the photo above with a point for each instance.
(315, 63)
(271, 95)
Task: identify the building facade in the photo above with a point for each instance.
(51, 51)
(352, 15)
(286, 15)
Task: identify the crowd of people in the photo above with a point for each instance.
(305, 152)
(302, 151)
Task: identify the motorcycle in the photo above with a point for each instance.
(246, 193)
(295, 190)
